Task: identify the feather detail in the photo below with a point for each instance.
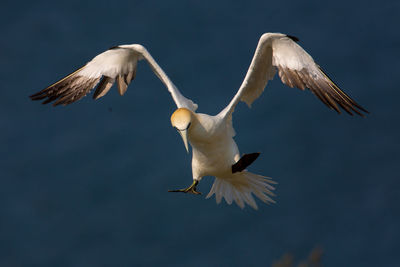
(67, 90)
(104, 86)
(240, 186)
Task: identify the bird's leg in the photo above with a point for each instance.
(191, 189)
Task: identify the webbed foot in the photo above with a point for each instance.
(191, 189)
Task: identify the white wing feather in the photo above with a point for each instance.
(116, 64)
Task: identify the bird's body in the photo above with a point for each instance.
(215, 152)
(213, 148)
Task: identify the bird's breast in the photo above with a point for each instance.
(215, 157)
(214, 150)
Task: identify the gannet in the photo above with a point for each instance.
(214, 151)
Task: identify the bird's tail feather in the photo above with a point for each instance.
(240, 186)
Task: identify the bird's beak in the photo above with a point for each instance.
(185, 139)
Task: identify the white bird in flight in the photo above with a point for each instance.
(215, 152)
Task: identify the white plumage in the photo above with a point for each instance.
(215, 152)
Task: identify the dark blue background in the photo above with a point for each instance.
(86, 185)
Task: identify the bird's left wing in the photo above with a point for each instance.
(296, 69)
(118, 64)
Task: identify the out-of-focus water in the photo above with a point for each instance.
(86, 185)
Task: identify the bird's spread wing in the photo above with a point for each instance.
(116, 65)
(296, 68)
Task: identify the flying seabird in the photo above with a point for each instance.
(214, 150)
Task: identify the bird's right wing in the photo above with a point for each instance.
(118, 64)
(276, 51)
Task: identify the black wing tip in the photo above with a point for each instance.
(352, 108)
(42, 95)
(355, 107)
(362, 109)
(114, 47)
(34, 97)
(294, 38)
(38, 96)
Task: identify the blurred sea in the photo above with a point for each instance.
(86, 184)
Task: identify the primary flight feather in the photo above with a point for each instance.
(215, 152)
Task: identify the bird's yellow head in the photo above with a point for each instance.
(181, 120)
